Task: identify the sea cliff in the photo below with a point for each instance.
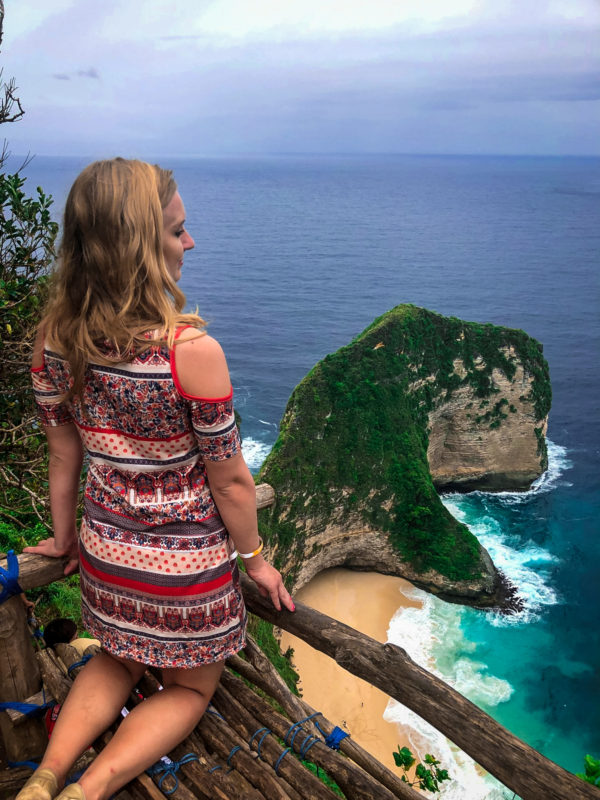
(416, 401)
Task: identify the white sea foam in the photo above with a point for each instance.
(558, 463)
(433, 638)
(255, 452)
(524, 567)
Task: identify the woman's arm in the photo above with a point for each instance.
(234, 493)
(64, 472)
(202, 372)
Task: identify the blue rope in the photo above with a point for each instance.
(262, 738)
(27, 709)
(9, 578)
(80, 663)
(215, 768)
(280, 759)
(214, 712)
(304, 748)
(30, 764)
(170, 768)
(335, 737)
(233, 752)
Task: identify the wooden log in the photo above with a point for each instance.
(19, 678)
(265, 495)
(264, 675)
(35, 570)
(222, 739)
(304, 782)
(218, 784)
(17, 717)
(12, 780)
(55, 681)
(70, 655)
(221, 782)
(517, 765)
(351, 779)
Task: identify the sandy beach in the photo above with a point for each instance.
(366, 601)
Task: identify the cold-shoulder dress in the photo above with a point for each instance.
(158, 584)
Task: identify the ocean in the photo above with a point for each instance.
(297, 255)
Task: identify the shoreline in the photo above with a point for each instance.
(366, 601)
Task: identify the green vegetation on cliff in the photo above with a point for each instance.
(353, 440)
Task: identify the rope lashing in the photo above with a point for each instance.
(335, 737)
(79, 663)
(212, 710)
(171, 768)
(306, 745)
(233, 752)
(9, 578)
(261, 740)
(280, 759)
(27, 709)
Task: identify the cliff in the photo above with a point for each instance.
(416, 400)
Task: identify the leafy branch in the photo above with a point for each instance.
(428, 776)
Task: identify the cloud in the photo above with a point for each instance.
(92, 72)
(496, 76)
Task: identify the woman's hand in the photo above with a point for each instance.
(48, 547)
(269, 582)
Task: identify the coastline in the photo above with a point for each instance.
(367, 601)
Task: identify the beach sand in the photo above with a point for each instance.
(366, 601)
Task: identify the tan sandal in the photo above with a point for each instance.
(72, 792)
(41, 786)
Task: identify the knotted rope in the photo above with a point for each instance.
(170, 768)
(9, 578)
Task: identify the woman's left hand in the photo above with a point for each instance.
(48, 547)
(269, 583)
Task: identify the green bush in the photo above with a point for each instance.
(27, 236)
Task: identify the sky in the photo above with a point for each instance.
(234, 77)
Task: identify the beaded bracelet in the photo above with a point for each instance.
(256, 552)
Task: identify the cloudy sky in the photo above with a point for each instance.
(196, 77)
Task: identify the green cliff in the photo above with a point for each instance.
(416, 399)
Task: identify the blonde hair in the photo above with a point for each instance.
(111, 285)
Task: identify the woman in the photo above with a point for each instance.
(122, 374)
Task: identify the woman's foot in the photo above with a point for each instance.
(42, 785)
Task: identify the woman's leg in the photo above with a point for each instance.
(153, 728)
(98, 694)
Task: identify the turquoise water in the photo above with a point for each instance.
(295, 256)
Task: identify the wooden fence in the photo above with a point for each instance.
(388, 667)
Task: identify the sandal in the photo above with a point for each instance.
(42, 785)
(72, 792)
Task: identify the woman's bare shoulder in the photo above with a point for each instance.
(200, 366)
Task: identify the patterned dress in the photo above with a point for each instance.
(157, 581)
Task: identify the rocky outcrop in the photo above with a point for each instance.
(416, 399)
(509, 457)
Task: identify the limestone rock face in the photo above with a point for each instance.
(352, 545)
(417, 399)
(462, 457)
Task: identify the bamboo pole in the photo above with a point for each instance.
(517, 765)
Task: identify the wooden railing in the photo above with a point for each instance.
(388, 667)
